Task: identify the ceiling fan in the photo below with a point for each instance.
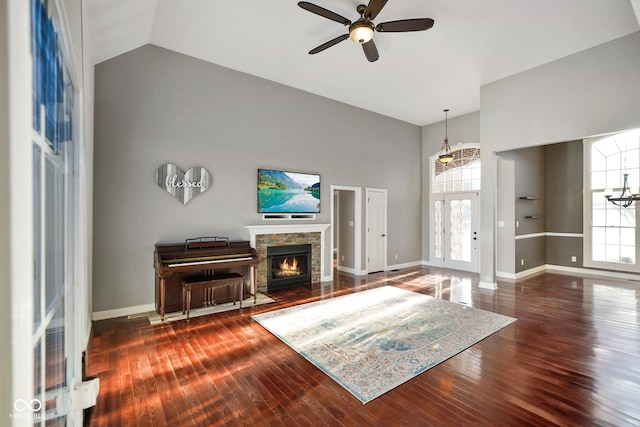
(361, 31)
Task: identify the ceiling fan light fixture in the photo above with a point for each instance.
(361, 32)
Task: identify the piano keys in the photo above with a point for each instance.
(202, 255)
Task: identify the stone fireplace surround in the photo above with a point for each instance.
(263, 236)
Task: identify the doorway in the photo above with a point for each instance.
(346, 235)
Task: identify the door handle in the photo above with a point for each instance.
(384, 235)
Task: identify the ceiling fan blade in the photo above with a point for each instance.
(373, 8)
(403, 25)
(328, 44)
(370, 51)
(325, 13)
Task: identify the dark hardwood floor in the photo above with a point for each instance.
(571, 359)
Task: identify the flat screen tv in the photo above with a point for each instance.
(288, 192)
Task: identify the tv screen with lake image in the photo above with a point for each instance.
(288, 192)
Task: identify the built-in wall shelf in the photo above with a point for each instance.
(528, 198)
(272, 217)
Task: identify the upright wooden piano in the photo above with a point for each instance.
(202, 255)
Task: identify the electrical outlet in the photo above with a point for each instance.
(522, 261)
(396, 256)
(517, 224)
(573, 258)
(342, 257)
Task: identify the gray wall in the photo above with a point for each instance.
(529, 181)
(564, 166)
(154, 106)
(564, 202)
(553, 175)
(589, 93)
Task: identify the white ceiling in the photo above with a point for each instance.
(418, 74)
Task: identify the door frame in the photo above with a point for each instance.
(357, 240)
(442, 262)
(368, 191)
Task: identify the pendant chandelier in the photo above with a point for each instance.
(445, 152)
(626, 198)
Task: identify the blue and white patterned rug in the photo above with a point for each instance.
(371, 342)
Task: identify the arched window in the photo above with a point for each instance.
(611, 232)
(461, 174)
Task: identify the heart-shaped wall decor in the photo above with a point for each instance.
(184, 186)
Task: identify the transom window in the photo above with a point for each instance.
(461, 174)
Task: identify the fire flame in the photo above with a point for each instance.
(287, 269)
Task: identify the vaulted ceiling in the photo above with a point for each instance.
(418, 74)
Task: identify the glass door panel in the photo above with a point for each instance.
(461, 231)
(460, 226)
(438, 229)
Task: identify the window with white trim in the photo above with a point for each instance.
(611, 232)
(461, 174)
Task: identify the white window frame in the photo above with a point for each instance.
(587, 249)
(432, 170)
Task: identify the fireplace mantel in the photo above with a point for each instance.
(254, 230)
(282, 229)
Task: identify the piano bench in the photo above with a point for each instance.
(210, 283)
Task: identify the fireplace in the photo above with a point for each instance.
(288, 265)
(268, 235)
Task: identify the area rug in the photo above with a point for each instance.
(371, 342)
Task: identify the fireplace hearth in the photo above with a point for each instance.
(288, 266)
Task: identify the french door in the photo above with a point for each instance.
(455, 224)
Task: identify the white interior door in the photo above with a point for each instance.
(456, 236)
(376, 230)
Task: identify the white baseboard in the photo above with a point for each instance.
(532, 271)
(128, 311)
(592, 272)
(346, 269)
(560, 269)
(404, 265)
(125, 311)
(503, 275)
(488, 285)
